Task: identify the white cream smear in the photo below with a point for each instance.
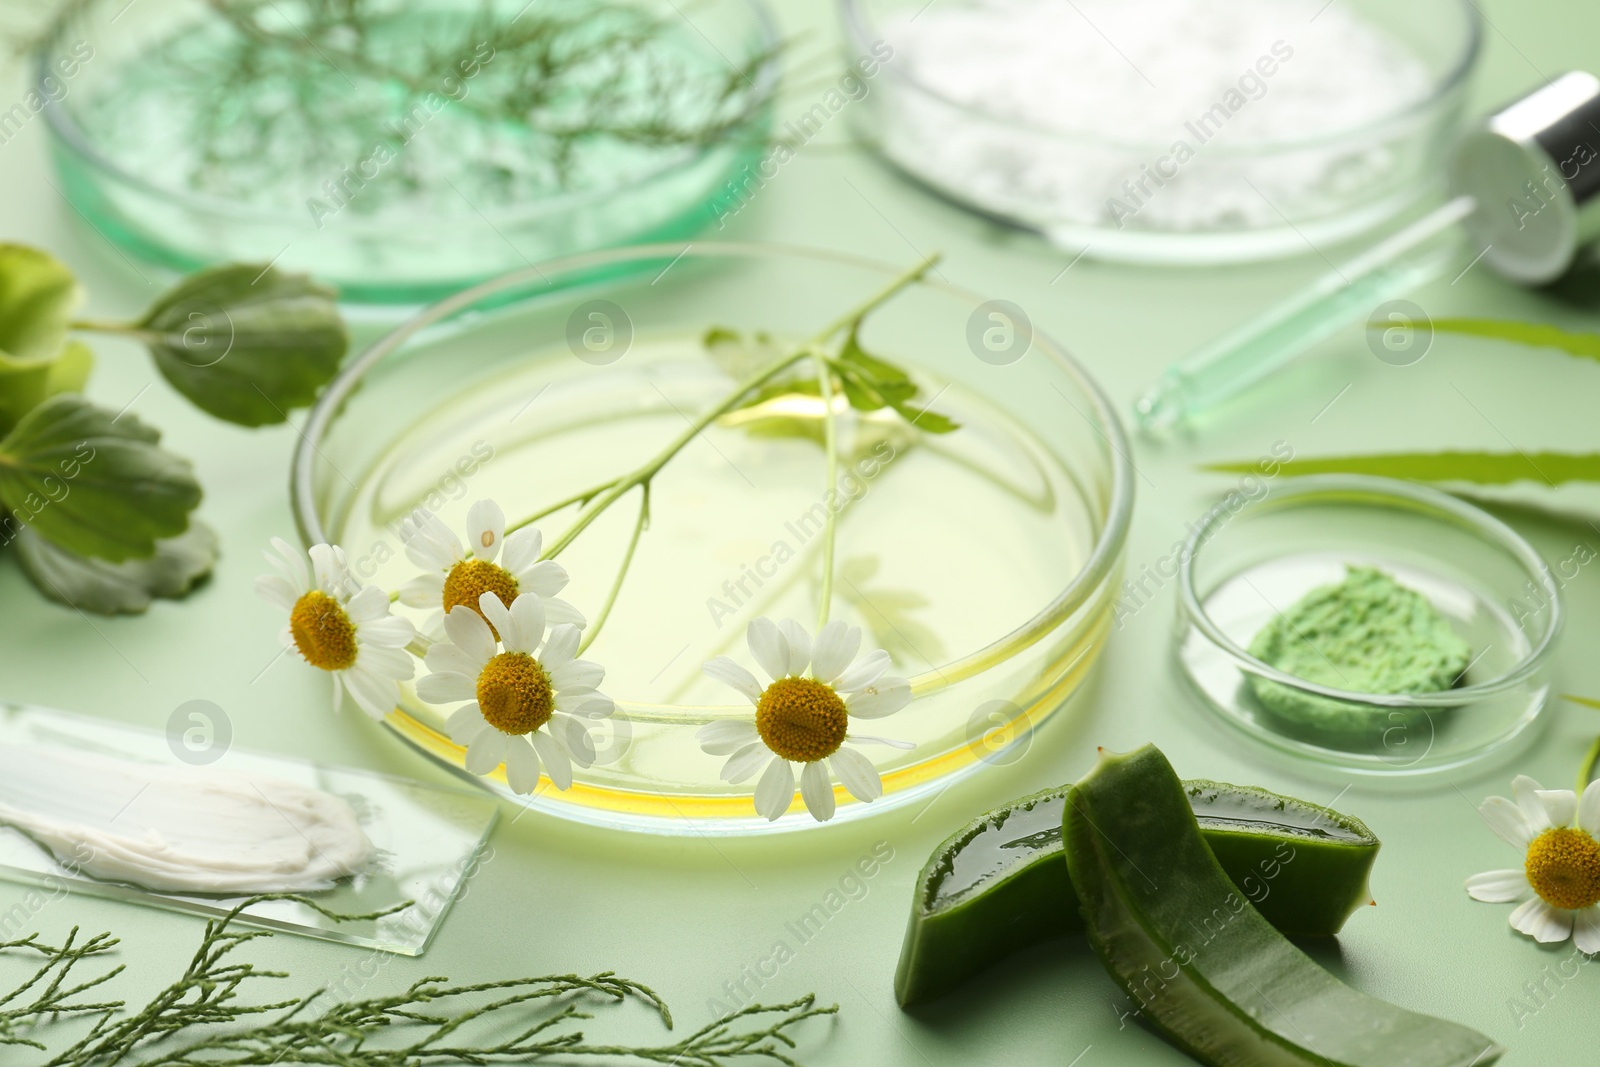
(179, 829)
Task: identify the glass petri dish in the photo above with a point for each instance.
(1223, 197)
(397, 192)
(1240, 570)
(984, 560)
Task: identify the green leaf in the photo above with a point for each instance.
(1582, 345)
(125, 588)
(37, 297)
(878, 369)
(1482, 468)
(245, 344)
(24, 383)
(95, 483)
(925, 420)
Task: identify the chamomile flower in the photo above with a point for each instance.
(529, 699)
(804, 717)
(505, 565)
(339, 625)
(1558, 883)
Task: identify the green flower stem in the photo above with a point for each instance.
(1586, 771)
(830, 434)
(576, 498)
(622, 571)
(650, 469)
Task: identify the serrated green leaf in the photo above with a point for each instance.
(1582, 345)
(127, 588)
(1481, 468)
(24, 383)
(245, 344)
(95, 483)
(37, 297)
(925, 420)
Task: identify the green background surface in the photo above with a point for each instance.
(688, 915)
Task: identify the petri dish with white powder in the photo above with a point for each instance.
(1177, 131)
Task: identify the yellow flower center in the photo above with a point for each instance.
(322, 631)
(1564, 868)
(469, 579)
(801, 719)
(514, 693)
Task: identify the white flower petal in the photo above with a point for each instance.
(545, 578)
(521, 550)
(768, 646)
(745, 762)
(1525, 791)
(470, 633)
(562, 646)
(775, 790)
(292, 563)
(443, 656)
(486, 527)
(1586, 930)
(1541, 922)
(865, 739)
(571, 732)
(466, 723)
(522, 767)
(325, 564)
(576, 699)
(376, 695)
(835, 647)
(1560, 805)
(396, 664)
(1498, 887)
(558, 612)
(725, 735)
(1589, 809)
(578, 674)
(884, 697)
(817, 791)
(799, 646)
(276, 590)
(728, 672)
(527, 629)
(1507, 820)
(857, 774)
(497, 614)
(391, 631)
(486, 752)
(429, 543)
(423, 591)
(446, 687)
(368, 604)
(866, 671)
(557, 764)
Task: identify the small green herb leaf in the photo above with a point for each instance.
(26, 382)
(94, 483)
(128, 587)
(1582, 345)
(1482, 468)
(246, 344)
(37, 296)
(925, 420)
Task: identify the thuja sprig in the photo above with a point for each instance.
(202, 1018)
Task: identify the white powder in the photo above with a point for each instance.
(1186, 90)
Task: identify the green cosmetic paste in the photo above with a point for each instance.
(1365, 634)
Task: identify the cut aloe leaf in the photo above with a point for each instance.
(1000, 884)
(1202, 966)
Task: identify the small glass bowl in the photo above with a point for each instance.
(1360, 178)
(1242, 567)
(418, 248)
(985, 561)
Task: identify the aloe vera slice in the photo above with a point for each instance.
(1000, 884)
(1204, 967)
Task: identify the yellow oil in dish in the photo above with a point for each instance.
(956, 553)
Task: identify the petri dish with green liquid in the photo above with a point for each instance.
(402, 151)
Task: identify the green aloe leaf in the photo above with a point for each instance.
(126, 588)
(94, 483)
(1582, 345)
(1482, 468)
(245, 344)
